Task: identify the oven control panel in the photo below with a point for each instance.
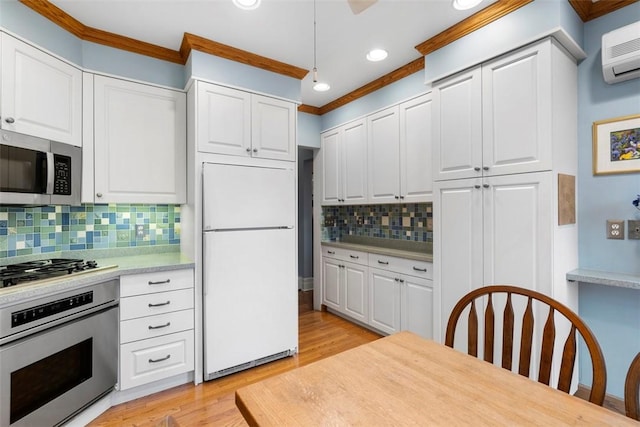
(32, 314)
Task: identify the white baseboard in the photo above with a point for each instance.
(305, 283)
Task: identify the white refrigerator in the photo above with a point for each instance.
(250, 266)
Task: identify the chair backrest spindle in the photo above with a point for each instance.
(547, 338)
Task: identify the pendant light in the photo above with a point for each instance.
(317, 85)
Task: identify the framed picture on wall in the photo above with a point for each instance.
(616, 145)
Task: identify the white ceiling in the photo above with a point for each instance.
(283, 30)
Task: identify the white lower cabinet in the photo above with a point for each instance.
(346, 287)
(388, 293)
(156, 326)
(403, 296)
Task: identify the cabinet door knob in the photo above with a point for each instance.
(486, 168)
(477, 169)
(485, 185)
(98, 194)
(255, 150)
(9, 120)
(397, 197)
(401, 197)
(248, 150)
(476, 186)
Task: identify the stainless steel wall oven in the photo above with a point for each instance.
(58, 355)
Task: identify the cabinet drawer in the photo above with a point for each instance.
(158, 303)
(146, 283)
(357, 257)
(402, 265)
(155, 326)
(149, 360)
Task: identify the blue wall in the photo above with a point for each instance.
(612, 313)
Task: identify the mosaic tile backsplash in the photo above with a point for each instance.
(411, 221)
(36, 230)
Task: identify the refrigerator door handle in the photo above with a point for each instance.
(222, 230)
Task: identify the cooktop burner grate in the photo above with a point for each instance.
(14, 274)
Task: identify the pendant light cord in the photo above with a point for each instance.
(315, 69)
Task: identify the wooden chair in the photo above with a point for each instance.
(548, 336)
(632, 390)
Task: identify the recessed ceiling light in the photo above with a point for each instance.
(321, 87)
(465, 4)
(376, 55)
(247, 4)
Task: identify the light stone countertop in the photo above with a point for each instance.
(123, 265)
(604, 278)
(425, 256)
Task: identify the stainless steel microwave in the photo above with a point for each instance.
(36, 171)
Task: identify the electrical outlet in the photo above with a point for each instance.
(615, 229)
(142, 231)
(634, 229)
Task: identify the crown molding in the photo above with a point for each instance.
(189, 42)
(309, 109)
(476, 21)
(588, 10)
(201, 44)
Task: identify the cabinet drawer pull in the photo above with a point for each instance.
(160, 304)
(9, 120)
(160, 326)
(383, 262)
(424, 270)
(162, 282)
(162, 359)
(354, 256)
(331, 252)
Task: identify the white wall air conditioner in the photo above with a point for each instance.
(621, 54)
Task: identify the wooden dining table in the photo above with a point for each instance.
(405, 380)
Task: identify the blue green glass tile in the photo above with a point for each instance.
(44, 229)
(385, 221)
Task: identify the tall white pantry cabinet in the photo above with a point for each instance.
(503, 132)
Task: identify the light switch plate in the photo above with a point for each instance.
(634, 229)
(615, 229)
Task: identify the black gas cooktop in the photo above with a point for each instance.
(14, 274)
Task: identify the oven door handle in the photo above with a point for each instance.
(50, 173)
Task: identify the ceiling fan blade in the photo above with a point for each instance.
(358, 6)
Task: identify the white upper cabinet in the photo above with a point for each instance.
(273, 128)
(516, 112)
(384, 155)
(344, 161)
(495, 119)
(399, 148)
(224, 120)
(41, 94)
(416, 182)
(139, 143)
(239, 123)
(331, 149)
(457, 126)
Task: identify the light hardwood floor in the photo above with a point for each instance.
(212, 403)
